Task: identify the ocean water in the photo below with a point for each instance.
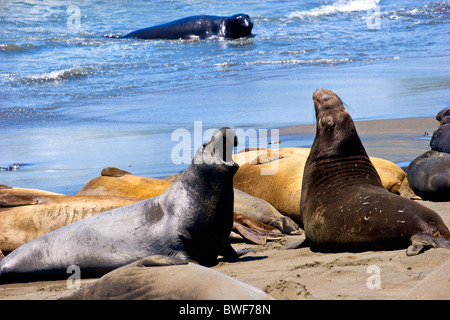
(73, 101)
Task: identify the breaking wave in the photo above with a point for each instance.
(338, 7)
(59, 75)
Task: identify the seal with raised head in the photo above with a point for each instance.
(344, 206)
(191, 220)
(282, 189)
(198, 27)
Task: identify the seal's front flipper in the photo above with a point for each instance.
(12, 200)
(160, 261)
(113, 172)
(421, 241)
(240, 253)
(297, 244)
(229, 254)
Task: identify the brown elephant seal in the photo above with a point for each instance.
(283, 188)
(25, 216)
(117, 182)
(167, 278)
(429, 176)
(344, 206)
(191, 220)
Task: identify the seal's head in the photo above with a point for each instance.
(443, 116)
(239, 26)
(335, 131)
(219, 150)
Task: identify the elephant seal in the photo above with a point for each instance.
(344, 206)
(262, 211)
(198, 27)
(26, 216)
(440, 141)
(443, 116)
(167, 278)
(429, 176)
(191, 220)
(283, 188)
(124, 184)
(114, 182)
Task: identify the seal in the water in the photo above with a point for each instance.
(344, 206)
(198, 27)
(429, 176)
(191, 220)
(167, 278)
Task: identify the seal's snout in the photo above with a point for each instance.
(322, 95)
(326, 100)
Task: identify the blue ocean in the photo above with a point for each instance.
(73, 100)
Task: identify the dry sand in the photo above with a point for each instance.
(304, 274)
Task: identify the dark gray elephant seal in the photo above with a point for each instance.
(167, 278)
(429, 176)
(198, 27)
(344, 206)
(440, 141)
(191, 220)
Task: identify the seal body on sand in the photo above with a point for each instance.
(429, 176)
(119, 184)
(25, 216)
(198, 27)
(167, 278)
(440, 141)
(262, 211)
(192, 220)
(344, 206)
(126, 185)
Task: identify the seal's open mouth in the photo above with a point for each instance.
(220, 148)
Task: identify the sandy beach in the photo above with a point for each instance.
(304, 274)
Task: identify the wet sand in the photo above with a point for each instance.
(304, 274)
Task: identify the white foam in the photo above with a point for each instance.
(57, 75)
(337, 7)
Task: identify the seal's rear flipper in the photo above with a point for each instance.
(421, 241)
(2, 256)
